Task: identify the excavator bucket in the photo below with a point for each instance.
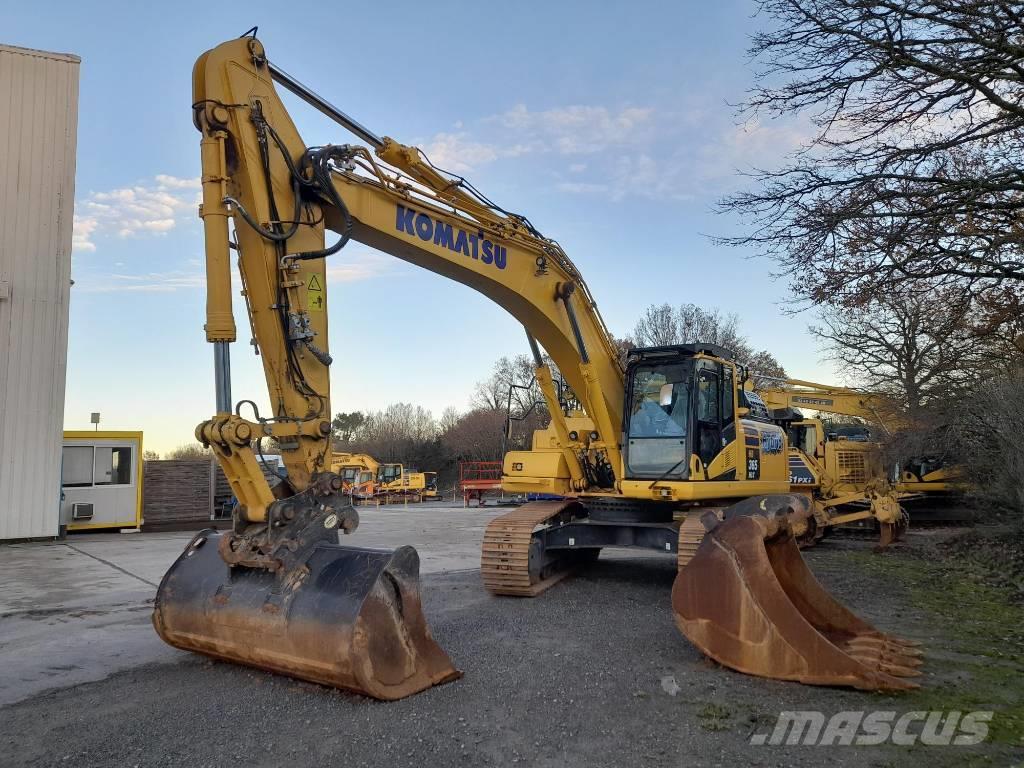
(748, 600)
(349, 618)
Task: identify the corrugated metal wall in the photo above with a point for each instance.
(38, 131)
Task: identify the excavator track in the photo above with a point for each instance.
(505, 556)
(691, 534)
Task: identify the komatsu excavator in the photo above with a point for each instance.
(357, 471)
(843, 464)
(363, 478)
(843, 475)
(669, 460)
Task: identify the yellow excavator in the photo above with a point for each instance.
(670, 462)
(364, 478)
(839, 467)
(839, 461)
(358, 472)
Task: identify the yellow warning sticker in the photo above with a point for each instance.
(315, 294)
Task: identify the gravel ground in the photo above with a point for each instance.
(592, 673)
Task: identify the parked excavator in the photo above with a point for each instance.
(358, 473)
(842, 465)
(364, 478)
(671, 461)
(842, 474)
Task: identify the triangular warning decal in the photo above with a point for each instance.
(314, 284)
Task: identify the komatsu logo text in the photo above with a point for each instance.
(476, 246)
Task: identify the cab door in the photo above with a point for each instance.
(708, 417)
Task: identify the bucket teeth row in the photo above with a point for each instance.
(748, 600)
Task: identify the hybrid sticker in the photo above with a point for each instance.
(771, 442)
(410, 222)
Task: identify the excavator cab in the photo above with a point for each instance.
(679, 404)
(389, 476)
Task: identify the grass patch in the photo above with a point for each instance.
(715, 717)
(977, 655)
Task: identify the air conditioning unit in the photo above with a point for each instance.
(81, 510)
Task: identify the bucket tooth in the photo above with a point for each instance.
(348, 617)
(748, 600)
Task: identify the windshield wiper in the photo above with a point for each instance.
(666, 473)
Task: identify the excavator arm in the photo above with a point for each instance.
(277, 591)
(826, 398)
(284, 196)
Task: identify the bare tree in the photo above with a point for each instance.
(765, 369)
(987, 425)
(662, 325)
(190, 451)
(913, 176)
(477, 436)
(914, 351)
(510, 375)
(449, 418)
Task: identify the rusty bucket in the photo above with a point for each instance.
(350, 617)
(748, 600)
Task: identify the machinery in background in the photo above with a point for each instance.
(358, 473)
(365, 479)
(430, 489)
(838, 461)
(671, 461)
(838, 466)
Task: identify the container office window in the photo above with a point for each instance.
(76, 466)
(113, 465)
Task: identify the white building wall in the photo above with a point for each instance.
(38, 132)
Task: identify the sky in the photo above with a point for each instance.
(610, 129)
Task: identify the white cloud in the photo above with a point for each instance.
(457, 153)
(353, 264)
(175, 182)
(81, 234)
(752, 145)
(577, 129)
(151, 282)
(571, 130)
(153, 208)
(630, 151)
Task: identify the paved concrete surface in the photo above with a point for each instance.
(79, 610)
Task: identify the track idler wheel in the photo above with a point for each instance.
(349, 617)
(748, 600)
